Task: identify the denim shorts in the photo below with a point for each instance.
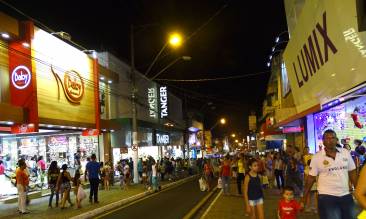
(256, 202)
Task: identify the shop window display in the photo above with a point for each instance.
(348, 120)
(60, 148)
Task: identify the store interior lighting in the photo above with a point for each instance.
(26, 45)
(5, 35)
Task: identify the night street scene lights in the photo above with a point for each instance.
(223, 121)
(175, 40)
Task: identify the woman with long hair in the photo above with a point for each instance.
(64, 185)
(52, 176)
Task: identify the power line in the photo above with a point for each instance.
(214, 79)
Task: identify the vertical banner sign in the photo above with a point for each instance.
(153, 102)
(23, 90)
(163, 102)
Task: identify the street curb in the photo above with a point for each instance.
(125, 201)
(194, 211)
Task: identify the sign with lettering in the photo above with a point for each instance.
(66, 85)
(22, 128)
(325, 54)
(21, 77)
(72, 85)
(163, 102)
(162, 139)
(153, 105)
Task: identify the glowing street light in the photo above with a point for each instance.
(223, 121)
(233, 135)
(175, 40)
(236, 140)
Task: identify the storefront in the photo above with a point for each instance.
(347, 119)
(48, 101)
(325, 58)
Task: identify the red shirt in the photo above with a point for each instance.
(288, 210)
(2, 169)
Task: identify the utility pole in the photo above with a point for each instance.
(134, 110)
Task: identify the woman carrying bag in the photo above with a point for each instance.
(63, 184)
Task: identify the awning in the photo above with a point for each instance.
(313, 109)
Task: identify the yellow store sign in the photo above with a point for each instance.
(65, 84)
(326, 55)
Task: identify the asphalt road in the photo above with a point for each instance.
(169, 204)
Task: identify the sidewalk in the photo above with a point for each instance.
(232, 207)
(39, 207)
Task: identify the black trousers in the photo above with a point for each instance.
(94, 184)
(240, 181)
(279, 176)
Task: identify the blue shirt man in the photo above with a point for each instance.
(93, 172)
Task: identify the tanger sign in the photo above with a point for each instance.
(162, 139)
(152, 99)
(163, 102)
(21, 77)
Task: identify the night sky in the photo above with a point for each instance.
(224, 38)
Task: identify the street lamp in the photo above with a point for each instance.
(184, 58)
(236, 140)
(175, 40)
(223, 121)
(233, 135)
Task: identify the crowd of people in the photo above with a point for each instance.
(323, 183)
(100, 175)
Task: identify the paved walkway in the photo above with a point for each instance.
(39, 207)
(232, 207)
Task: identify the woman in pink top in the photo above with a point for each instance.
(2, 168)
(225, 175)
(41, 164)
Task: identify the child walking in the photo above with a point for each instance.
(253, 193)
(287, 206)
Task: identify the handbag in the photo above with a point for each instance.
(219, 183)
(81, 193)
(202, 184)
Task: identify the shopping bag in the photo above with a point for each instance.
(203, 184)
(265, 180)
(81, 193)
(219, 183)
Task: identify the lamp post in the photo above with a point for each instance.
(175, 40)
(184, 58)
(221, 121)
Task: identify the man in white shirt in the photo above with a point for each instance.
(335, 167)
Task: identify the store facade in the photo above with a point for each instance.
(48, 101)
(325, 58)
(159, 114)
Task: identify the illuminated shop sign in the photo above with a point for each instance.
(163, 102)
(162, 139)
(152, 99)
(21, 77)
(73, 85)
